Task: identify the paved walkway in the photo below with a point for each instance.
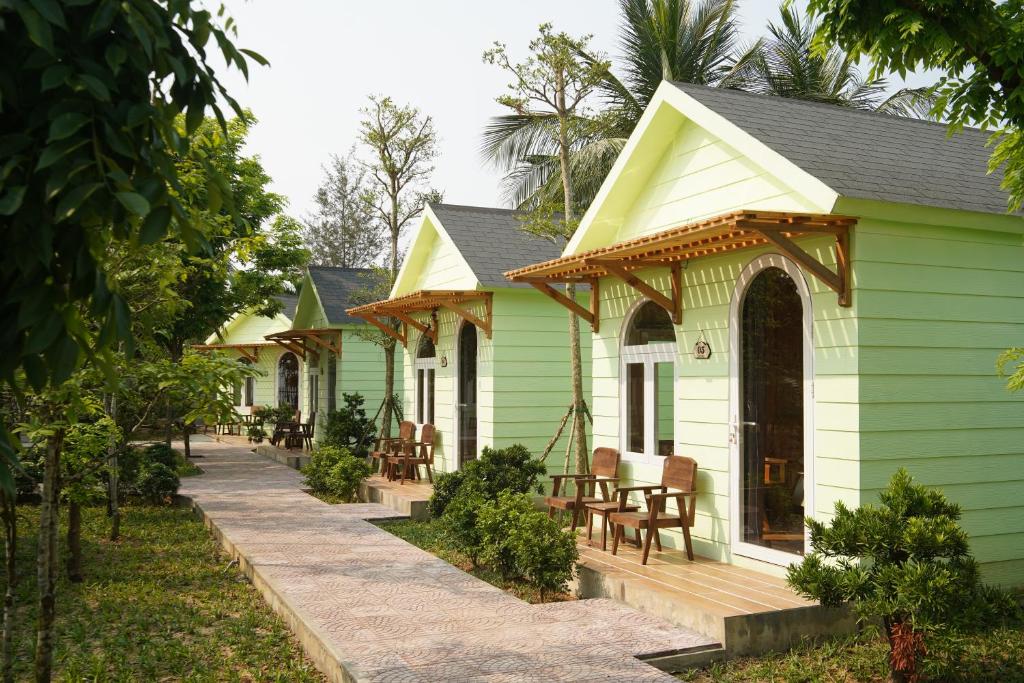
(368, 606)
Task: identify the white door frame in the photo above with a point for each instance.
(751, 270)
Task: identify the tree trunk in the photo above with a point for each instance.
(47, 558)
(169, 417)
(579, 424)
(186, 431)
(389, 389)
(74, 541)
(10, 522)
(113, 483)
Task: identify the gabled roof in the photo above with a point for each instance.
(289, 302)
(866, 155)
(336, 287)
(492, 241)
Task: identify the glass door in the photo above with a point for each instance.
(771, 430)
(467, 394)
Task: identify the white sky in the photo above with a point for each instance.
(326, 56)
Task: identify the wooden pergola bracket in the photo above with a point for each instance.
(386, 329)
(836, 281)
(673, 305)
(308, 343)
(248, 351)
(591, 315)
(401, 308)
(483, 325)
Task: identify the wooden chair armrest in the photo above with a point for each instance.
(689, 509)
(629, 489)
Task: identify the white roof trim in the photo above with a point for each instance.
(774, 163)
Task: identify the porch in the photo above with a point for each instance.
(408, 499)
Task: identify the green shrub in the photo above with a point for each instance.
(511, 469)
(335, 471)
(349, 427)
(162, 453)
(497, 524)
(446, 485)
(459, 529)
(345, 476)
(157, 482)
(544, 554)
(907, 564)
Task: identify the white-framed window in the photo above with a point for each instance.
(314, 391)
(647, 380)
(424, 371)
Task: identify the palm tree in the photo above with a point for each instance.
(789, 66)
(696, 41)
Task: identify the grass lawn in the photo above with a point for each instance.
(996, 655)
(161, 604)
(427, 535)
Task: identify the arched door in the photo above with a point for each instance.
(288, 380)
(772, 409)
(467, 393)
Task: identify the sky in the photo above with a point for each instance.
(327, 56)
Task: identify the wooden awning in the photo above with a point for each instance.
(302, 342)
(250, 350)
(710, 237)
(401, 309)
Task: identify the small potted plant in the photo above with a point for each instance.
(256, 433)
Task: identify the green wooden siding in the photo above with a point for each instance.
(522, 376)
(936, 307)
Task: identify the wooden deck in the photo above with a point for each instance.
(747, 611)
(409, 498)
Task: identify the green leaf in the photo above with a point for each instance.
(11, 200)
(74, 199)
(39, 31)
(96, 87)
(194, 117)
(214, 199)
(115, 56)
(66, 125)
(63, 358)
(55, 76)
(255, 56)
(155, 225)
(50, 9)
(134, 202)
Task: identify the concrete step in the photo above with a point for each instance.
(409, 499)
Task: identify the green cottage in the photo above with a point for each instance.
(486, 360)
(244, 337)
(804, 298)
(325, 351)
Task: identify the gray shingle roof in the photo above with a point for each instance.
(493, 241)
(289, 301)
(336, 288)
(865, 155)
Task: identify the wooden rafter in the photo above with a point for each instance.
(401, 309)
(250, 351)
(308, 342)
(714, 236)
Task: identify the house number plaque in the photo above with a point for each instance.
(702, 349)
(444, 361)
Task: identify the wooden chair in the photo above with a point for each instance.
(386, 447)
(309, 430)
(408, 461)
(678, 480)
(604, 470)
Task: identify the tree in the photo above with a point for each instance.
(679, 40)
(403, 144)
(788, 66)
(246, 262)
(905, 562)
(977, 43)
(91, 92)
(344, 231)
(555, 81)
